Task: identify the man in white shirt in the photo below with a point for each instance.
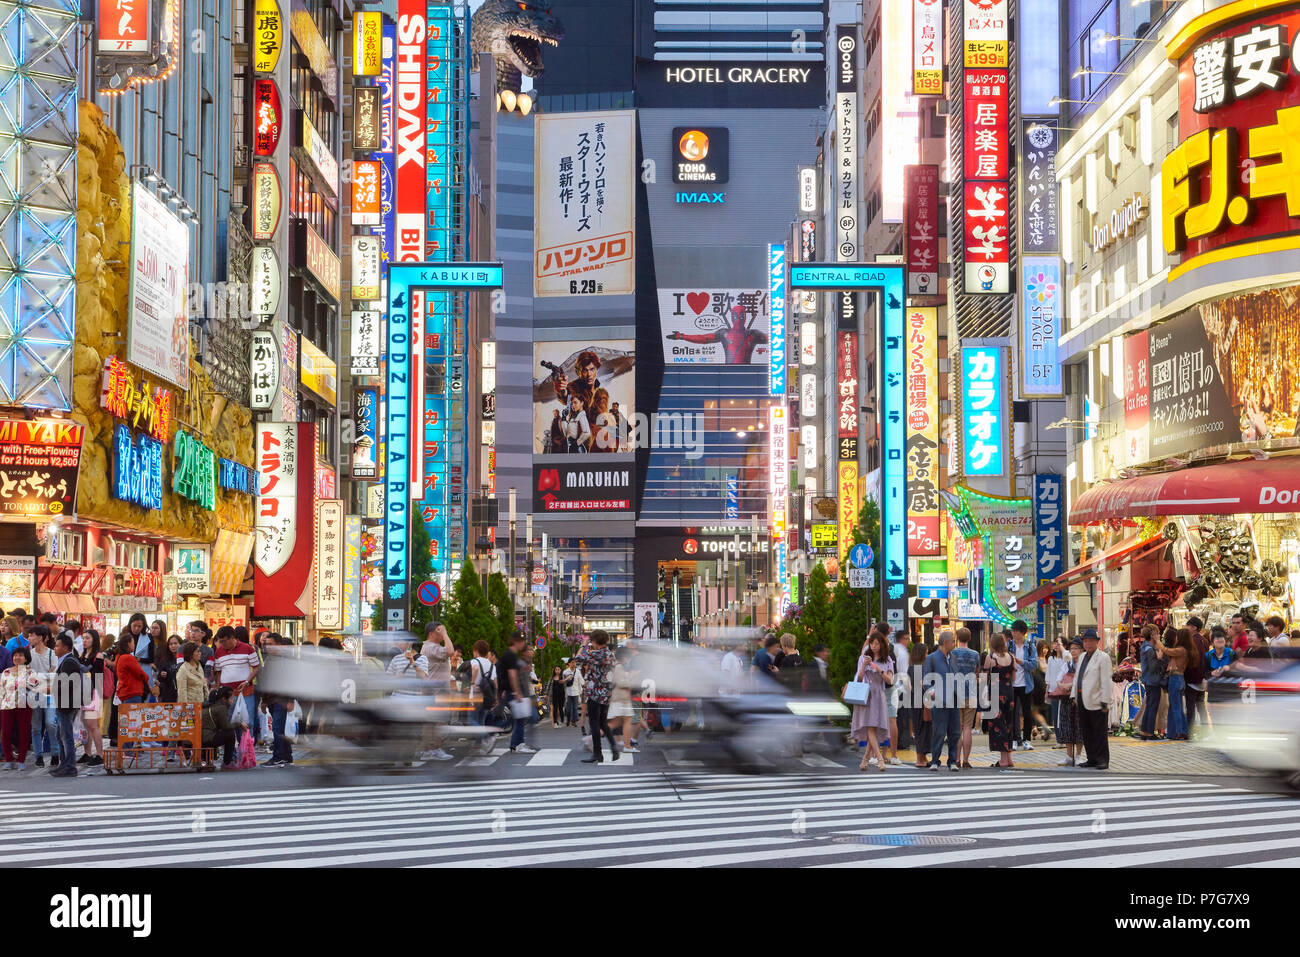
(733, 672)
(1277, 635)
(573, 682)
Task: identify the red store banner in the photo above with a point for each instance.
(847, 382)
(985, 114)
(921, 216)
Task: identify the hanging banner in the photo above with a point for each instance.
(585, 234)
(322, 262)
(266, 200)
(846, 143)
(277, 464)
(984, 409)
(264, 369)
(367, 33)
(988, 247)
(123, 26)
(39, 465)
(366, 259)
(158, 335)
(776, 313)
(264, 282)
(267, 118)
(330, 564)
(1137, 398)
(848, 504)
(984, 114)
(365, 343)
(985, 33)
(1042, 316)
(778, 430)
(1049, 526)
(366, 206)
(921, 218)
(922, 431)
(365, 419)
(847, 392)
(927, 47)
(268, 35)
(1039, 204)
(352, 573)
(366, 107)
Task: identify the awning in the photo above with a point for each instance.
(1123, 553)
(65, 604)
(1250, 486)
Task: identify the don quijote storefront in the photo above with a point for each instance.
(1183, 334)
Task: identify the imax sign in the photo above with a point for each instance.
(702, 198)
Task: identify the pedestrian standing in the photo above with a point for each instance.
(165, 666)
(965, 663)
(1067, 710)
(1025, 652)
(555, 692)
(1091, 693)
(937, 674)
(1000, 666)
(67, 698)
(132, 683)
(19, 686)
(235, 666)
(279, 708)
(1176, 648)
(918, 713)
(526, 707)
(871, 721)
(1194, 674)
(190, 686)
(597, 663)
(572, 693)
(91, 707)
(1057, 665)
(45, 733)
(1153, 680)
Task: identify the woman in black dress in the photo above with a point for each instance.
(1002, 727)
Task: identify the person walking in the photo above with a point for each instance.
(1091, 693)
(965, 663)
(1000, 668)
(620, 701)
(918, 714)
(1176, 648)
(945, 719)
(1194, 674)
(45, 735)
(1067, 710)
(871, 721)
(597, 661)
(555, 691)
(572, 693)
(19, 691)
(67, 698)
(1024, 650)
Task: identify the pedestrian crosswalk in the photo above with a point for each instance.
(671, 817)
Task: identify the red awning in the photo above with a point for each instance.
(1109, 560)
(1250, 486)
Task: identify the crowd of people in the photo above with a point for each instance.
(63, 688)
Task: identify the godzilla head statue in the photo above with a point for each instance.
(514, 31)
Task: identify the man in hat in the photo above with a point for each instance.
(1091, 693)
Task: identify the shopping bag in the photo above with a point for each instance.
(246, 757)
(239, 711)
(291, 724)
(857, 692)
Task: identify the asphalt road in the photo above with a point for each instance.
(548, 810)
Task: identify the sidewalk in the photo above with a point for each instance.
(1127, 755)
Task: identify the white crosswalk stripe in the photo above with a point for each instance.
(680, 818)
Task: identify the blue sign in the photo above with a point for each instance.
(397, 399)
(983, 411)
(733, 497)
(1049, 526)
(237, 478)
(137, 469)
(840, 276)
(1042, 318)
(429, 593)
(459, 276)
(776, 314)
(861, 556)
(893, 427)
(702, 199)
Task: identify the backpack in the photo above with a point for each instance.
(487, 688)
(465, 673)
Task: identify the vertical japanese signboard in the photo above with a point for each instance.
(921, 220)
(986, 157)
(927, 47)
(409, 100)
(846, 143)
(985, 33)
(1137, 398)
(277, 511)
(365, 411)
(846, 389)
(330, 564)
(1039, 205)
(776, 315)
(585, 203)
(352, 573)
(922, 431)
(1042, 315)
(1049, 526)
(984, 410)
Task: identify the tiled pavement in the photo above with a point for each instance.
(1128, 755)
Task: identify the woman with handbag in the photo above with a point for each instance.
(875, 675)
(1067, 710)
(1001, 665)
